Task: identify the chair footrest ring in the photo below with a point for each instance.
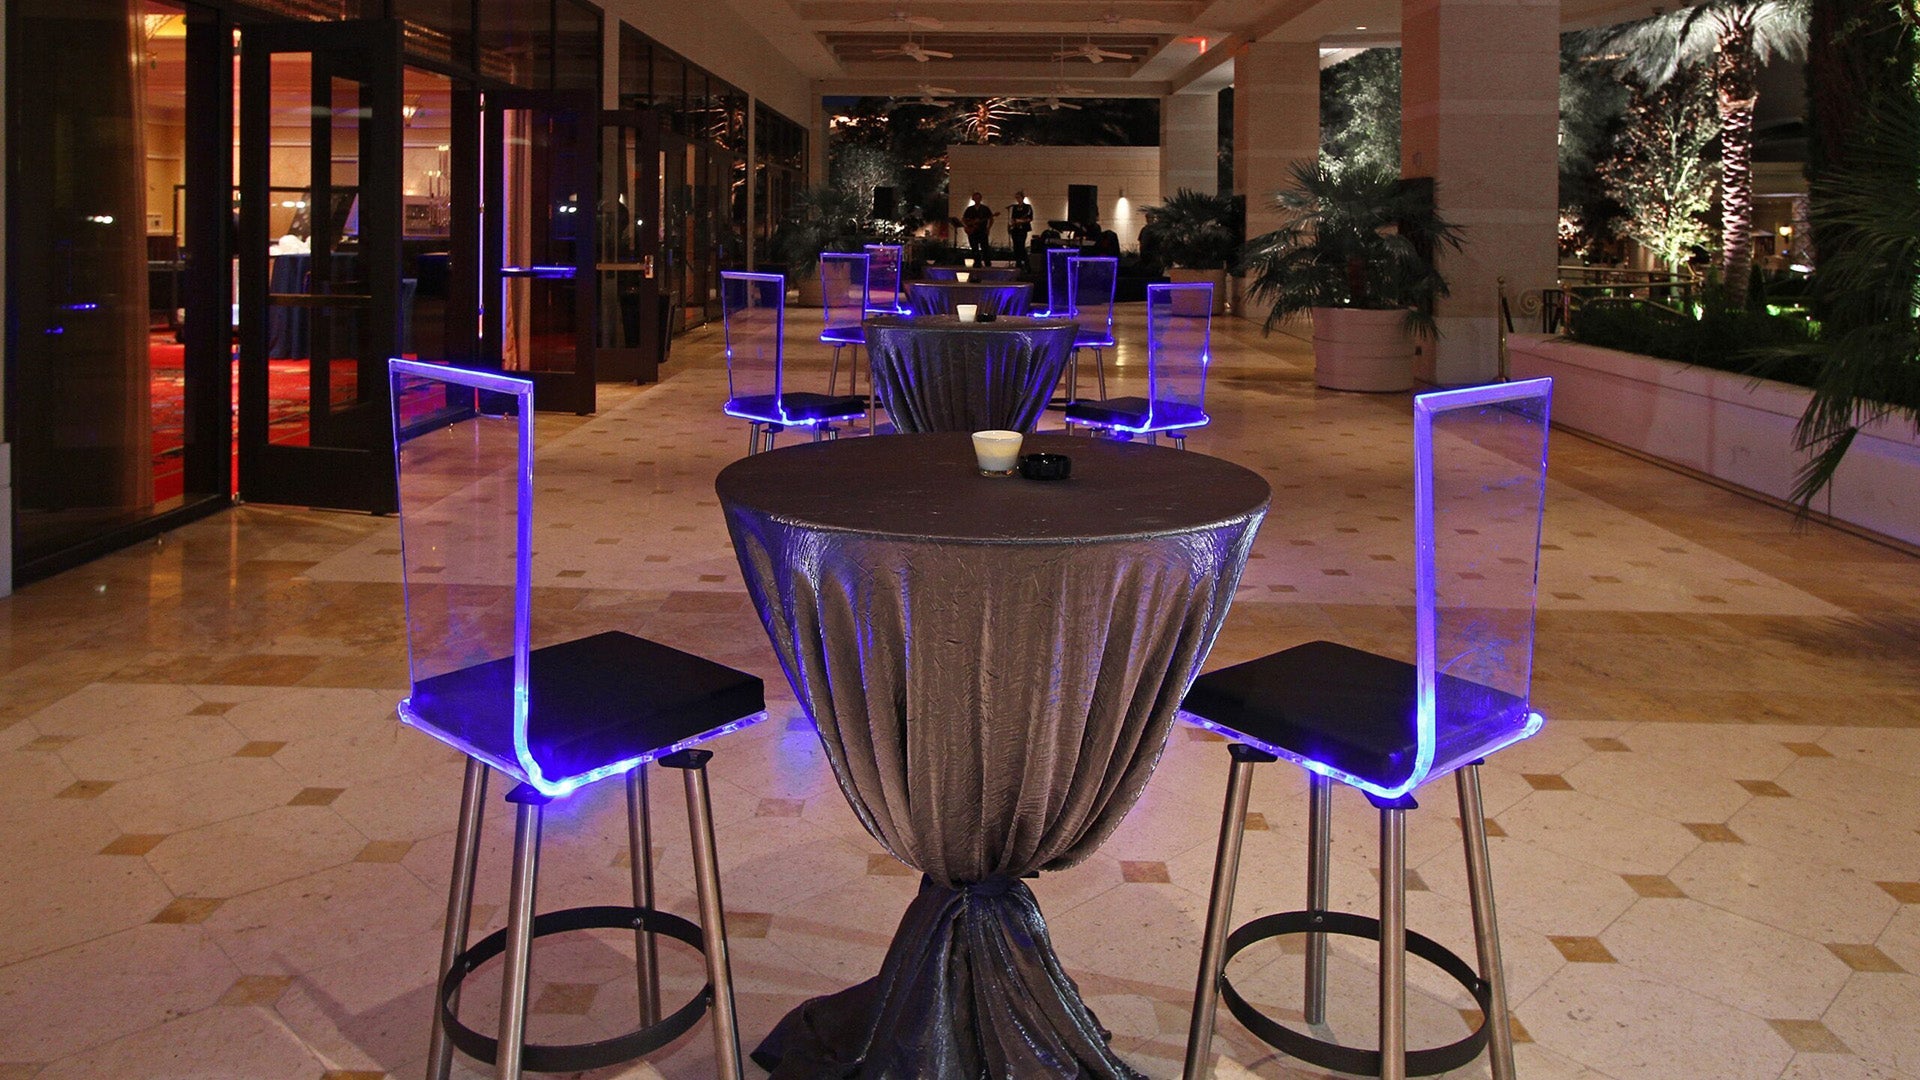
(578, 1057)
(1348, 1059)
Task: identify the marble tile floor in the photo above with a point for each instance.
(224, 857)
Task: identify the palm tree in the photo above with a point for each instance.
(1732, 38)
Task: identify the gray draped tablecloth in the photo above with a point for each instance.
(939, 297)
(993, 665)
(974, 273)
(936, 373)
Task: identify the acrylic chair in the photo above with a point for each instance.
(1057, 305)
(1091, 281)
(1386, 727)
(1179, 340)
(884, 295)
(753, 311)
(843, 289)
(551, 719)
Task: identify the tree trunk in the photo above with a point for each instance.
(1735, 73)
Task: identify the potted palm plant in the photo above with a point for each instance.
(1358, 251)
(1198, 237)
(820, 219)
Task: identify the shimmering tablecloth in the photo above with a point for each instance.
(936, 373)
(974, 273)
(993, 665)
(939, 297)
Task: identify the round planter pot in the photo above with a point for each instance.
(812, 293)
(1180, 275)
(1368, 351)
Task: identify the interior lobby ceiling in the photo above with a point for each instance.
(1144, 48)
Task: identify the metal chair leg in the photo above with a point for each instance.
(1486, 929)
(713, 926)
(529, 806)
(1319, 857)
(1393, 943)
(1073, 376)
(646, 950)
(1100, 371)
(1226, 868)
(833, 371)
(466, 858)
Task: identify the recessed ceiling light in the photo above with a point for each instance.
(1359, 28)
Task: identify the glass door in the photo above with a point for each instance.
(538, 287)
(633, 310)
(320, 224)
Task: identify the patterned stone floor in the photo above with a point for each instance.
(224, 858)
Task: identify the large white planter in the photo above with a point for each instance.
(1731, 427)
(1180, 275)
(1369, 351)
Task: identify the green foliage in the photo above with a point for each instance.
(1352, 239)
(1660, 173)
(1868, 352)
(1721, 337)
(1593, 101)
(1360, 113)
(860, 167)
(820, 219)
(1196, 230)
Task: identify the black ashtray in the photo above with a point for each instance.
(1046, 466)
(985, 316)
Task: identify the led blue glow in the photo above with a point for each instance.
(842, 275)
(80, 307)
(1179, 352)
(883, 279)
(1478, 637)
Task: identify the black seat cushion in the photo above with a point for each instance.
(1331, 703)
(591, 702)
(1342, 707)
(802, 406)
(1132, 412)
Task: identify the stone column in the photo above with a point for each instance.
(1190, 143)
(1276, 122)
(1480, 111)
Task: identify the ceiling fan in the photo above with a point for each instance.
(1116, 21)
(1090, 52)
(932, 95)
(915, 51)
(900, 16)
(1053, 103)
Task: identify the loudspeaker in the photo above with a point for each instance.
(1083, 203)
(883, 203)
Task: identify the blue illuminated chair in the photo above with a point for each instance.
(1057, 303)
(843, 291)
(884, 295)
(1387, 727)
(1179, 340)
(551, 719)
(1091, 281)
(753, 310)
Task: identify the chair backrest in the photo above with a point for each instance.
(753, 311)
(1091, 280)
(1480, 485)
(1179, 349)
(883, 278)
(843, 285)
(463, 447)
(1057, 292)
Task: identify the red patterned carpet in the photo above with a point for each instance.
(286, 408)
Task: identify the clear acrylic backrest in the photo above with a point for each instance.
(883, 278)
(753, 309)
(463, 448)
(843, 285)
(1090, 284)
(1480, 483)
(1057, 291)
(1179, 340)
